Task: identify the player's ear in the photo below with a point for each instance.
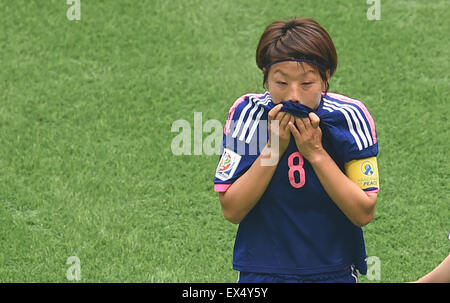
(326, 84)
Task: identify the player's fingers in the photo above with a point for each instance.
(294, 130)
(307, 123)
(280, 116)
(300, 125)
(291, 120)
(315, 120)
(285, 120)
(274, 111)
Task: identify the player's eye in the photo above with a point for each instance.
(307, 83)
(281, 83)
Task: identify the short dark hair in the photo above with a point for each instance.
(298, 38)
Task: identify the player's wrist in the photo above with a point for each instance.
(317, 157)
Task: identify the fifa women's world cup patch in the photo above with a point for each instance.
(364, 172)
(227, 164)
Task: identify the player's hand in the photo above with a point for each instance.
(282, 131)
(307, 135)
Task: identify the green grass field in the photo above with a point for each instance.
(86, 108)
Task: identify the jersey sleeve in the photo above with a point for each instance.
(351, 129)
(245, 135)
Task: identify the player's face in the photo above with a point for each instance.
(298, 82)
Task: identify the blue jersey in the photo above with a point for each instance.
(295, 227)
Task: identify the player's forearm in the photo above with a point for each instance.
(246, 191)
(357, 205)
(441, 274)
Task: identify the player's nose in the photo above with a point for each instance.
(294, 92)
(294, 96)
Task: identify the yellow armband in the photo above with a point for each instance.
(364, 172)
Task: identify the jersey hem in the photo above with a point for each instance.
(290, 271)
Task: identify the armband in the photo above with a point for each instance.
(364, 172)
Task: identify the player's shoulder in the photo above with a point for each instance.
(251, 106)
(347, 109)
(250, 100)
(337, 101)
(353, 126)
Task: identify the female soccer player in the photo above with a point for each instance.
(298, 170)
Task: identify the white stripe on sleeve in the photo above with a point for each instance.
(241, 119)
(247, 123)
(255, 125)
(352, 109)
(349, 123)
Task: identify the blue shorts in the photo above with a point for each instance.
(347, 275)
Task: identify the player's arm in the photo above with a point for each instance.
(441, 274)
(246, 191)
(354, 202)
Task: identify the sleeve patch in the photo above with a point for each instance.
(227, 165)
(364, 172)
